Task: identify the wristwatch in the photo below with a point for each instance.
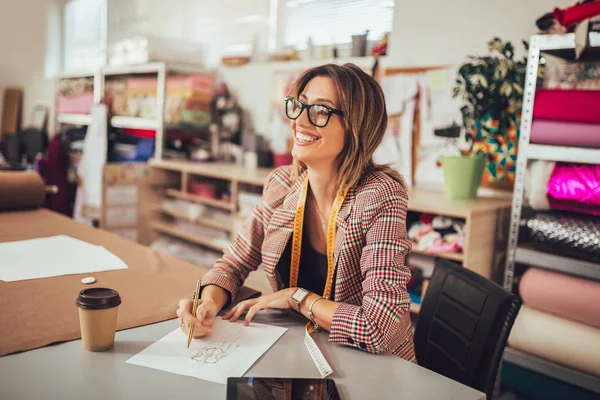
(298, 297)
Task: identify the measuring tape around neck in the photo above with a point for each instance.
(297, 237)
(315, 353)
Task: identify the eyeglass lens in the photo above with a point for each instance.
(318, 115)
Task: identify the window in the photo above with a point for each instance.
(334, 21)
(85, 34)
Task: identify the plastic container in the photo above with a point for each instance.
(462, 176)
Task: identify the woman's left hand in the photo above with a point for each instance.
(279, 300)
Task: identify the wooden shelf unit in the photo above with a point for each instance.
(172, 230)
(208, 222)
(484, 217)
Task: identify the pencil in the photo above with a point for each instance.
(196, 295)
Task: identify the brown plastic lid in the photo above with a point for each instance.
(98, 299)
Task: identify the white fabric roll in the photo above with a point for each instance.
(557, 339)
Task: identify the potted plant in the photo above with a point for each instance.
(491, 88)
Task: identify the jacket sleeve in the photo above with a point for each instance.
(244, 253)
(380, 323)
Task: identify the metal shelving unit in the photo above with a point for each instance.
(562, 46)
(556, 371)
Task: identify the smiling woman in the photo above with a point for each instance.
(330, 231)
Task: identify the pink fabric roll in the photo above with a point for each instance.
(561, 133)
(567, 105)
(575, 187)
(566, 296)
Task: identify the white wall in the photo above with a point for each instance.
(432, 32)
(30, 51)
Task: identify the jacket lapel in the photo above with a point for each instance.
(342, 222)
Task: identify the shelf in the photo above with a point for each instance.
(435, 202)
(171, 229)
(208, 222)
(563, 153)
(421, 200)
(571, 266)
(563, 46)
(134, 123)
(449, 256)
(556, 371)
(218, 170)
(76, 75)
(74, 119)
(224, 205)
(153, 68)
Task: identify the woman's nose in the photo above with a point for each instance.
(303, 119)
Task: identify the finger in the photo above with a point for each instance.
(253, 310)
(201, 312)
(185, 304)
(178, 312)
(229, 313)
(240, 310)
(203, 331)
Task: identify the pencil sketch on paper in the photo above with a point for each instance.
(212, 353)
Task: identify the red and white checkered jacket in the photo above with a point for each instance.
(370, 247)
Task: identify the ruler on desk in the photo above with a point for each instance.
(318, 357)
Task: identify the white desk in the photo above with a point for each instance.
(66, 371)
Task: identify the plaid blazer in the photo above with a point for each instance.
(370, 247)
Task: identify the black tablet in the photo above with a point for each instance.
(281, 389)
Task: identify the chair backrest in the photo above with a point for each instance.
(463, 326)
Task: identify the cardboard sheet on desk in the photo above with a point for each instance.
(35, 313)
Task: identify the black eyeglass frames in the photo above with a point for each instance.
(318, 114)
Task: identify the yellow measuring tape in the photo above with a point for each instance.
(297, 240)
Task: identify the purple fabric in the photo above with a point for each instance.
(575, 187)
(54, 169)
(561, 133)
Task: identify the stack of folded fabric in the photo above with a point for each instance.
(187, 99)
(437, 234)
(75, 96)
(566, 199)
(560, 320)
(566, 118)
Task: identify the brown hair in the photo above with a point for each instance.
(361, 99)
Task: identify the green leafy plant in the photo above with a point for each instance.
(491, 85)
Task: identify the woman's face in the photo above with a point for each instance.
(314, 145)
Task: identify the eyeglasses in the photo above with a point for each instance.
(318, 114)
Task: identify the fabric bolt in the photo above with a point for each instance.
(565, 133)
(536, 184)
(557, 339)
(575, 187)
(566, 233)
(576, 299)
(567, 105)
(370, 249)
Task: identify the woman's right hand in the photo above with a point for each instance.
(206, 314)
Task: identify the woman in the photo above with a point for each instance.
(356, 288)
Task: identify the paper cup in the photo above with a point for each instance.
(98, 308)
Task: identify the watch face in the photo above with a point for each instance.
(299, 295)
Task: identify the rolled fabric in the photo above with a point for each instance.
(565, 233)
(557, 339)
(575, 187)
(567, 105)
(21, 190)
(563, 133)
(536, 183)
(566, 296)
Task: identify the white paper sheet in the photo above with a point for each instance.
(53, 256)
(229, 352)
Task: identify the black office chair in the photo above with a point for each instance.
(463, 326)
